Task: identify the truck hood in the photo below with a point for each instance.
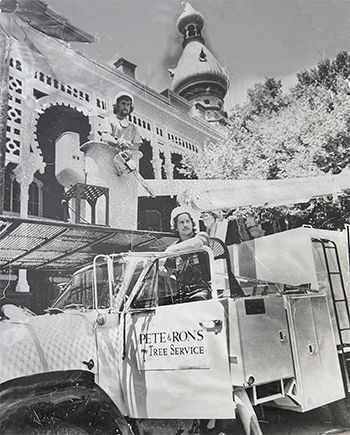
(41, 344)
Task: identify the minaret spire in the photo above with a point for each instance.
(198, 76)
(190, 24)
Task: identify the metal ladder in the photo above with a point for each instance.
(328, 246)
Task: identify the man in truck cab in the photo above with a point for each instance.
(190, 271)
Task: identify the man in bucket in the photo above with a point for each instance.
(122, 134)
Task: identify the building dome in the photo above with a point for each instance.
(198, 76)
(197, 65)
(190, 17)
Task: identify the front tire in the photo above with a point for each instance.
(63, 403)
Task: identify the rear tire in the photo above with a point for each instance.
(61, 428)
(340, 412)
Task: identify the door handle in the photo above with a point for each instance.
(211, 326)
(313, 349)
(283, 335)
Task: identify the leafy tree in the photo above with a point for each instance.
(266, 97)
(325, 73)
(303, 133)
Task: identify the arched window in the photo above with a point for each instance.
(35, 198)
(191, 30)
(12, 200)
(12, 191)
(176, 161)
(146, 168)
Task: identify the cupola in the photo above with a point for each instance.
(198, 76)
(190, 24)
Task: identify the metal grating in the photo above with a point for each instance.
(31, 243)
(89, 192)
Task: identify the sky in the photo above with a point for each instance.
(253, 39)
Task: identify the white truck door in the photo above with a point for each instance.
(108, 279)
(175, 353)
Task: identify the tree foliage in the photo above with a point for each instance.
(266, 97)
(305, 132)
(325, 74)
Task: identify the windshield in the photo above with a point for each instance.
(176, 279)
(80, 289)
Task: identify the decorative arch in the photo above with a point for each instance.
(44, 103)
(54, 118)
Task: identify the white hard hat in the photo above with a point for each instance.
(124, 94)
(180, 210)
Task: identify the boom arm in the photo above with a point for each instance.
(269, 193)
(206, 195)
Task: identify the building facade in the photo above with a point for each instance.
(50, 90)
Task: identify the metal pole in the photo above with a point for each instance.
(347, 227)
(4, 101)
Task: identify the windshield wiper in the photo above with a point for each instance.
(54, 310)
(75, 306)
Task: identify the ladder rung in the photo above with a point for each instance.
(341, 351)
(344, 329)
(334, 273)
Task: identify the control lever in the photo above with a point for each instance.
(124, 163)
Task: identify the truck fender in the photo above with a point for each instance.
(45, 401)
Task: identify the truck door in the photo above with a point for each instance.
(175, 361)
(109, 277)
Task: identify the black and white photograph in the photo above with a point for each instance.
(174, 217)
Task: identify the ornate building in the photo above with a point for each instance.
(49, 89)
